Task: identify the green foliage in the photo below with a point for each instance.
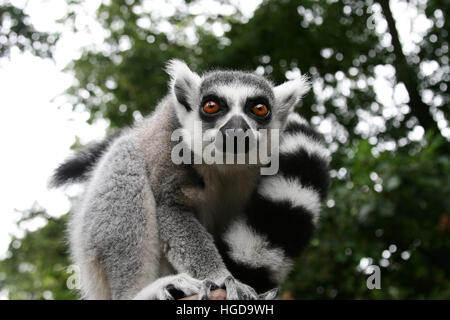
(36, 266)
(389, 200)
(16, 30)
(398, 199)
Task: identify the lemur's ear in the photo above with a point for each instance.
(184, 83)
(288, 94)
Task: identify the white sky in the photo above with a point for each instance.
(35, 134)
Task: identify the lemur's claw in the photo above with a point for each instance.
(269, 295)
(168, 293)
(239, 291)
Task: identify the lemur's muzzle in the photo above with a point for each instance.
(235, 136)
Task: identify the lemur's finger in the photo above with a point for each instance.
(239, 291)
(165, 294)
(175, 292)
(205, 290)
(269, 295)
(246, 292)
(187, 285)
(230, 286)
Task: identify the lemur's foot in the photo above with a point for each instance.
(171, 288)
(239, 291)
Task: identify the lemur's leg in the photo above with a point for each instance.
(116, 227)
(282, 215)
(116, 232)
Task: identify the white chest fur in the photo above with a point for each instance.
(227, 190)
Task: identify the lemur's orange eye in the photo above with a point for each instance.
(211, 107)
(260, 110)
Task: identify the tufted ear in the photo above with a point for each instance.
(288, 94)
(184, 84)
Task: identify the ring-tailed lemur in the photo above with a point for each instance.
(147, 228)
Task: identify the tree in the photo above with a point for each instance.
(388, 204)
(17, 31)
(36, 266)
(406, 74)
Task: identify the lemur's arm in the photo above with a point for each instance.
(191, 249)
(282, 215)
(187, 244)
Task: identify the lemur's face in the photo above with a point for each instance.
(236, 100)
(225, 103)
(236, 103)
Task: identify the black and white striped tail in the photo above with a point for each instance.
(78, 167)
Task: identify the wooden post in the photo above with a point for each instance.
(218, 294)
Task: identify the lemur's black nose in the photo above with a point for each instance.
(236, 123)
(234, 133)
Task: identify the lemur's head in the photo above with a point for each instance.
(221, 102)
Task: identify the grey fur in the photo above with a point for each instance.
(221, 77)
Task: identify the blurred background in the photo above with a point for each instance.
(73, 71)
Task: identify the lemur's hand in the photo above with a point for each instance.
(170, 288)
(237, 290)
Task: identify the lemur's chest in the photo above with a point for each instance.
(225, 195)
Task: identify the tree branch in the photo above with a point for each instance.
(218, 294)
(406, 74)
